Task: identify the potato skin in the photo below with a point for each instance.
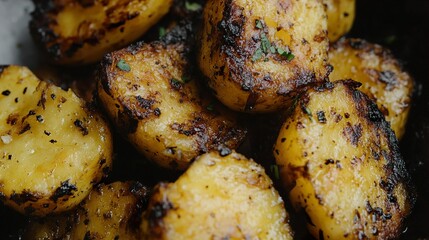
(383, 78)
(341, 15)
(222, 195)
(109, 212)
(160, 108)
(74, 32)
(53, 145)
(341, 164)
(236, 57)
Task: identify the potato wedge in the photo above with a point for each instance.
(341, 15)
(258, 55)
(110, 211)
(341, 163)
(75, 32)
(156, 103)
(222, 195)
(53, 145)
(383, 78)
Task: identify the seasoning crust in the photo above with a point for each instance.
(53, 145)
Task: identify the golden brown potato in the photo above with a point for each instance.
(222, 195)
(341, 15)
(109, 212)
(381, 75)
(81, 32)
(258, 55)
(341, 163)
(156, 103)
(53, 146)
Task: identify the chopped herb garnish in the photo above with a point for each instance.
(259, 24)
(275, 170)
(286, 53)
(308, 112)
(123, 65)
(192, 6)
(265, 43)
(210, 107)
(176, 81)
(183, 80)
(186, 79)
(162, 32)
(290, 57)
(257, 55)
(267, 47)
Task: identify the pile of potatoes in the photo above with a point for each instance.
(183, 100)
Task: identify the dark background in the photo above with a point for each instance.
(402, 26)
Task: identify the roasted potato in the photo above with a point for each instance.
(383, 78)
(110, 211)
(341, 15)
(222, 195)
(77, 32)
(341, 164)
(53, 146)
(156, 103)
(258, 55)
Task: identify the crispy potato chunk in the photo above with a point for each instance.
(341, 15)
(222, 195)
(381, 75)
(258, 55)
(341, 163)
(81, 32)
(53, 146)
(110, 211)
(157, 105)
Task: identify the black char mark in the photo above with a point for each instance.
(79, 124)
(230, 30)
(395, 169)
(66, 189)
(25, 196)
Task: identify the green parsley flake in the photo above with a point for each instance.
(265, 43)
(308, 112)
(257, 55)
(286, 53)
(186, 79)
(176, 81)
(183, 80)
(259, 24)
(162, 32)
(192, 6)
(123, 65)
(275, 170)
(210, 107)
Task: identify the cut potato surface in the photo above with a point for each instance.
(258, 55)
(109, 212)
(341, 15)
(81, 32)
(157, 104)
(383, 78)
(53, 146)
(341, 164)
(222, 195)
